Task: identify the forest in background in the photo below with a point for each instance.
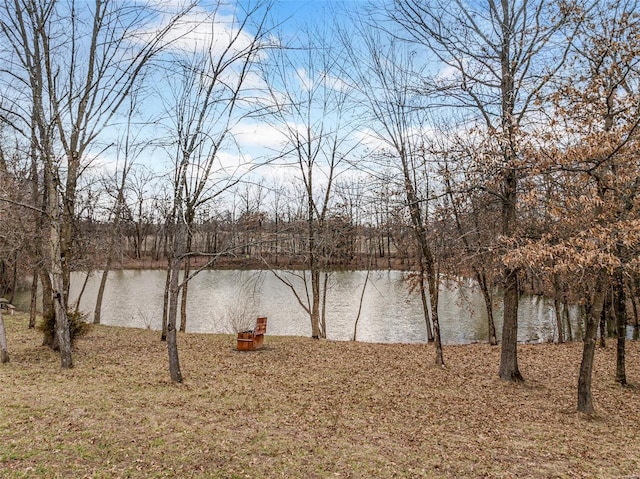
(497, 141)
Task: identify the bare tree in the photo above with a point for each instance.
(128, 150)
(147, 205)
(311, 112)
(398, 120)
(495, 57)
(68, 67)
(210, 96)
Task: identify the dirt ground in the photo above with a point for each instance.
(301, 408)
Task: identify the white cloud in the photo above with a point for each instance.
(206, 27)
(306, 83)
(262, 135)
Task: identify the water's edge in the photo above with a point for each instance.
(225, 301)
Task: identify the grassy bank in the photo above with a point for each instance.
(304, 408)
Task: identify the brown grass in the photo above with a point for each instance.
(305, 408)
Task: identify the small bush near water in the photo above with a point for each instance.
(78, 326)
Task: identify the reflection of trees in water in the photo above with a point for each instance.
(243, 304)
(390, 313)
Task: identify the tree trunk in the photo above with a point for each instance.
(174, 293)
(315, 303)
(57, 282)
(634, 289)
(63, 334)
(634, 305)
(38, 221)
(603, 321)
(110, 252)
(426, 255)
(82, 290)
(33, 306)
(103, 283)
(14, 277)
(559, 324)
(184, 295)
(619, 304)
(323, 311)
(509, 370)
(314, 270)
(4, 352)
(491, 324)
(165, 303)
(364, 288)
(276, 245)
(481, 277)
(592, 317)
(425, 304)
(172, 336)
(565, 315)
(433, 299)
(48, 312)
(558, 309)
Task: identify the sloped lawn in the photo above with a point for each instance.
(307, 409)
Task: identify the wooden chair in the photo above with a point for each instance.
(252, 340)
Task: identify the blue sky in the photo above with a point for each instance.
(297, 12)
(255, 138)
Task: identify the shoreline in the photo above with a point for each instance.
(254, 263)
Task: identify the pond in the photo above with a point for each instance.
(390, 313)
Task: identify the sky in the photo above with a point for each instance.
(256, 139)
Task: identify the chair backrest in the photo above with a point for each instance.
(261, 326)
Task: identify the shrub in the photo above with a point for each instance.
(78, 326)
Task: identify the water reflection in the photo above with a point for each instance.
(389, 313)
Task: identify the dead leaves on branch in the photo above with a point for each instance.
(591, 248)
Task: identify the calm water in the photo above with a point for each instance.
(219, 300)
